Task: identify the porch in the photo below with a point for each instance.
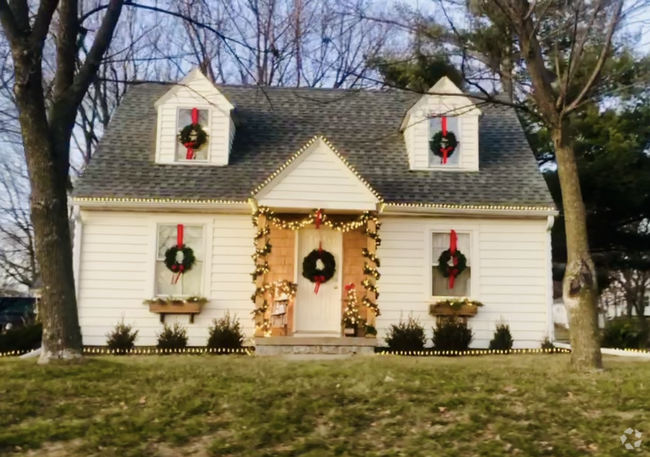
(302, 312)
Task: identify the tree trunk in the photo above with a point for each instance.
(48, 204)
(580, 288)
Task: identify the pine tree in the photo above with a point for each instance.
(351, 315)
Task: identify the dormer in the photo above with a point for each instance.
(194, 100)
(443, 114)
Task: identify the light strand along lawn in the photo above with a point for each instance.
(376, 406)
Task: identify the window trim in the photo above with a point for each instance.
(473, 255)
(459, 165)
(207, 128)
(152, 255)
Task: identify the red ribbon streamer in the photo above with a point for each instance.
(190, 146)
(179, 242)
(447, 150)
(318, 280)
(319, 219)
(453, 241)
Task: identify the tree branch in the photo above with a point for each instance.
(10, 25)
(42, 22)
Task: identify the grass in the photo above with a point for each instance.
(378, 406)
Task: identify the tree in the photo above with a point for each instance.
(46, 133)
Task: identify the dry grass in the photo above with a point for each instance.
(381, 406)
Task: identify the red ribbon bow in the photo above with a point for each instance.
(453, 272)
(179, 243)
(318, 280)
(190, 145)
(447, 150)
(349, 287)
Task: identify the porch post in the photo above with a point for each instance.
(371, 292)
(260, 280)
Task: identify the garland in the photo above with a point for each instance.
(260, 271)
(369, 283)
(443, 143)
(341, 226)
(372, 257)
(170, 300)
(317, 275)
(192, 136)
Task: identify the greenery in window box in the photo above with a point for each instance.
(170, 300)
(172, 337)
(455, 304)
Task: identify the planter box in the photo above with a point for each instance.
(163, 309)
(446, 310)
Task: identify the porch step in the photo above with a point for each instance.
(303, 345)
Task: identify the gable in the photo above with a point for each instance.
(317, 177)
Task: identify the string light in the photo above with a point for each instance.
(372, 257)
(471, 207)
(157, 200)
(302, 150)
(351, 315)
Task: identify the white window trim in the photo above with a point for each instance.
(207, 128)
(473, 255)
(154, 222)
(459, 165)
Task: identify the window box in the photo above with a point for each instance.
(462, 308)
(164, 306)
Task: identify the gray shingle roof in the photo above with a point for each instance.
(274, 124)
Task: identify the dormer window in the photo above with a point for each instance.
(445, 148)
(188, 148)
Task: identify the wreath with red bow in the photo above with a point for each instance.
(317, 275)
(443, 145)
(185, 264)
(459, 263)
(192, 136)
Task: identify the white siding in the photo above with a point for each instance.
(317, 179)
(116, 273)
(417, 132)
(195, 93)
(509, 274)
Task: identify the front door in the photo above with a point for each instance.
(319, 314)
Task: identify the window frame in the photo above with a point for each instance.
(207, 128)
(473, 256)
(154, 223)
(456, 167)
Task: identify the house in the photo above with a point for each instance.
(343, 181)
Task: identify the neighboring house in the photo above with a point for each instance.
(281, 154)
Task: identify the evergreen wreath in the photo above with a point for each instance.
(174, 265)
(439, 142)
(193, 136)
(443, 263)
(310, 270)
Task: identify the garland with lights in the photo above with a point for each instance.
(311, 270)
(443, 143)
(341, 226)
(262, 321)
(370, 267)
(192, 136)
(372, 257)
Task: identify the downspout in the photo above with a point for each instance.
(550, 325)
(76, 247)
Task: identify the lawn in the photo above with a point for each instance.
(376, 406)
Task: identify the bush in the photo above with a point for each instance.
(174, 337)
(121, 338)
(24, 338)
(406, 336)
(622, 334)
(226, 333)
(452, 334)
(547, 344)
(502, 340)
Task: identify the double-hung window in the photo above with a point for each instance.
(190, 282)
(183, 119)
(440, 242)
(453, 126)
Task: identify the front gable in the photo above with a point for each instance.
(317, 176)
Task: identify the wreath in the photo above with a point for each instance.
(310, 268)
(193, 137)
(171, 258)
(443, 263)
(440, 142)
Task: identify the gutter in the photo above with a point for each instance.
(160, 204)
(398, 209)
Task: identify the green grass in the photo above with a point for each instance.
(377, 406)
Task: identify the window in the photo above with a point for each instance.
(184, 119)
(189, 283)
(435, 126)
(440, 284)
